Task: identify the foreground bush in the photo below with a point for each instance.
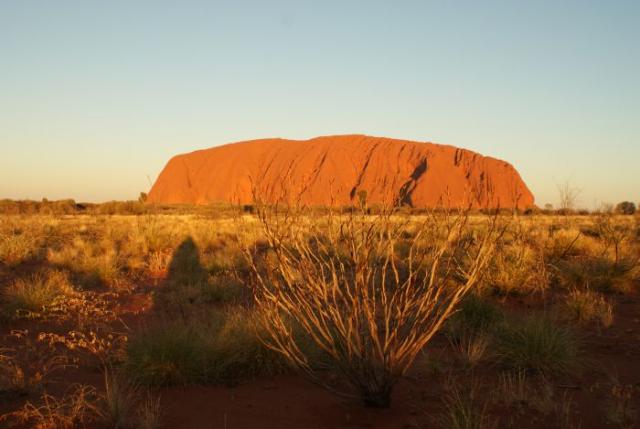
(368, 309)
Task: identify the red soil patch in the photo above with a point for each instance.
(283, 403)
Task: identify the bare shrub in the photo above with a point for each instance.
(568, 197)
(369, 290)
(614, 235)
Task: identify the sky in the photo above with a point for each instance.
(96, 96)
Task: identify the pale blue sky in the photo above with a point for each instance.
(96, 95)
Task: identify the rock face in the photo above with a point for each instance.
(334, 170)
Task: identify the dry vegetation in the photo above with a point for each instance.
(494, 321)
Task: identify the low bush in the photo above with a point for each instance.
(169, 354)
(126, 406)
(16, 246)
(475, 315)
(597, 273)
(516, 270)
(222, 347)
(29, 297)
(626, 208)
(93, 262)
(587, 306)
(540, 344)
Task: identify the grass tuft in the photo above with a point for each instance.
(476, 315)
(222, 349)
(464, 410)
(29, 297)
(119, 399)
(540, 344)
(149, 414)
(585, 306)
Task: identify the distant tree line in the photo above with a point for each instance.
(140, 207)
(69, 207)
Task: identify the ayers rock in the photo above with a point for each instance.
(334, 169)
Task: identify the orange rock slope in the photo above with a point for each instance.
(333, 170)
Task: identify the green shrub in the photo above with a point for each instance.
(540, 344)
(169, 354)
(464, 410)
(597, 273)
(222, 347)
(118, 401)
(241, 353)
(626, 208)
(220, 289)
(476, 315)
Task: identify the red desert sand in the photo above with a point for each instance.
(333, 170)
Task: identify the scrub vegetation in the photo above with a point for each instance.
(496, 319)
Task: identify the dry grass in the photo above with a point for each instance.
(27, 366)
(77, 408)
(473, 349)
(517, 268)
(119, 400)
(620, 404)
(32, 297)
(587, 306)
(69, 277)
(149, 414)
(521, 392)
